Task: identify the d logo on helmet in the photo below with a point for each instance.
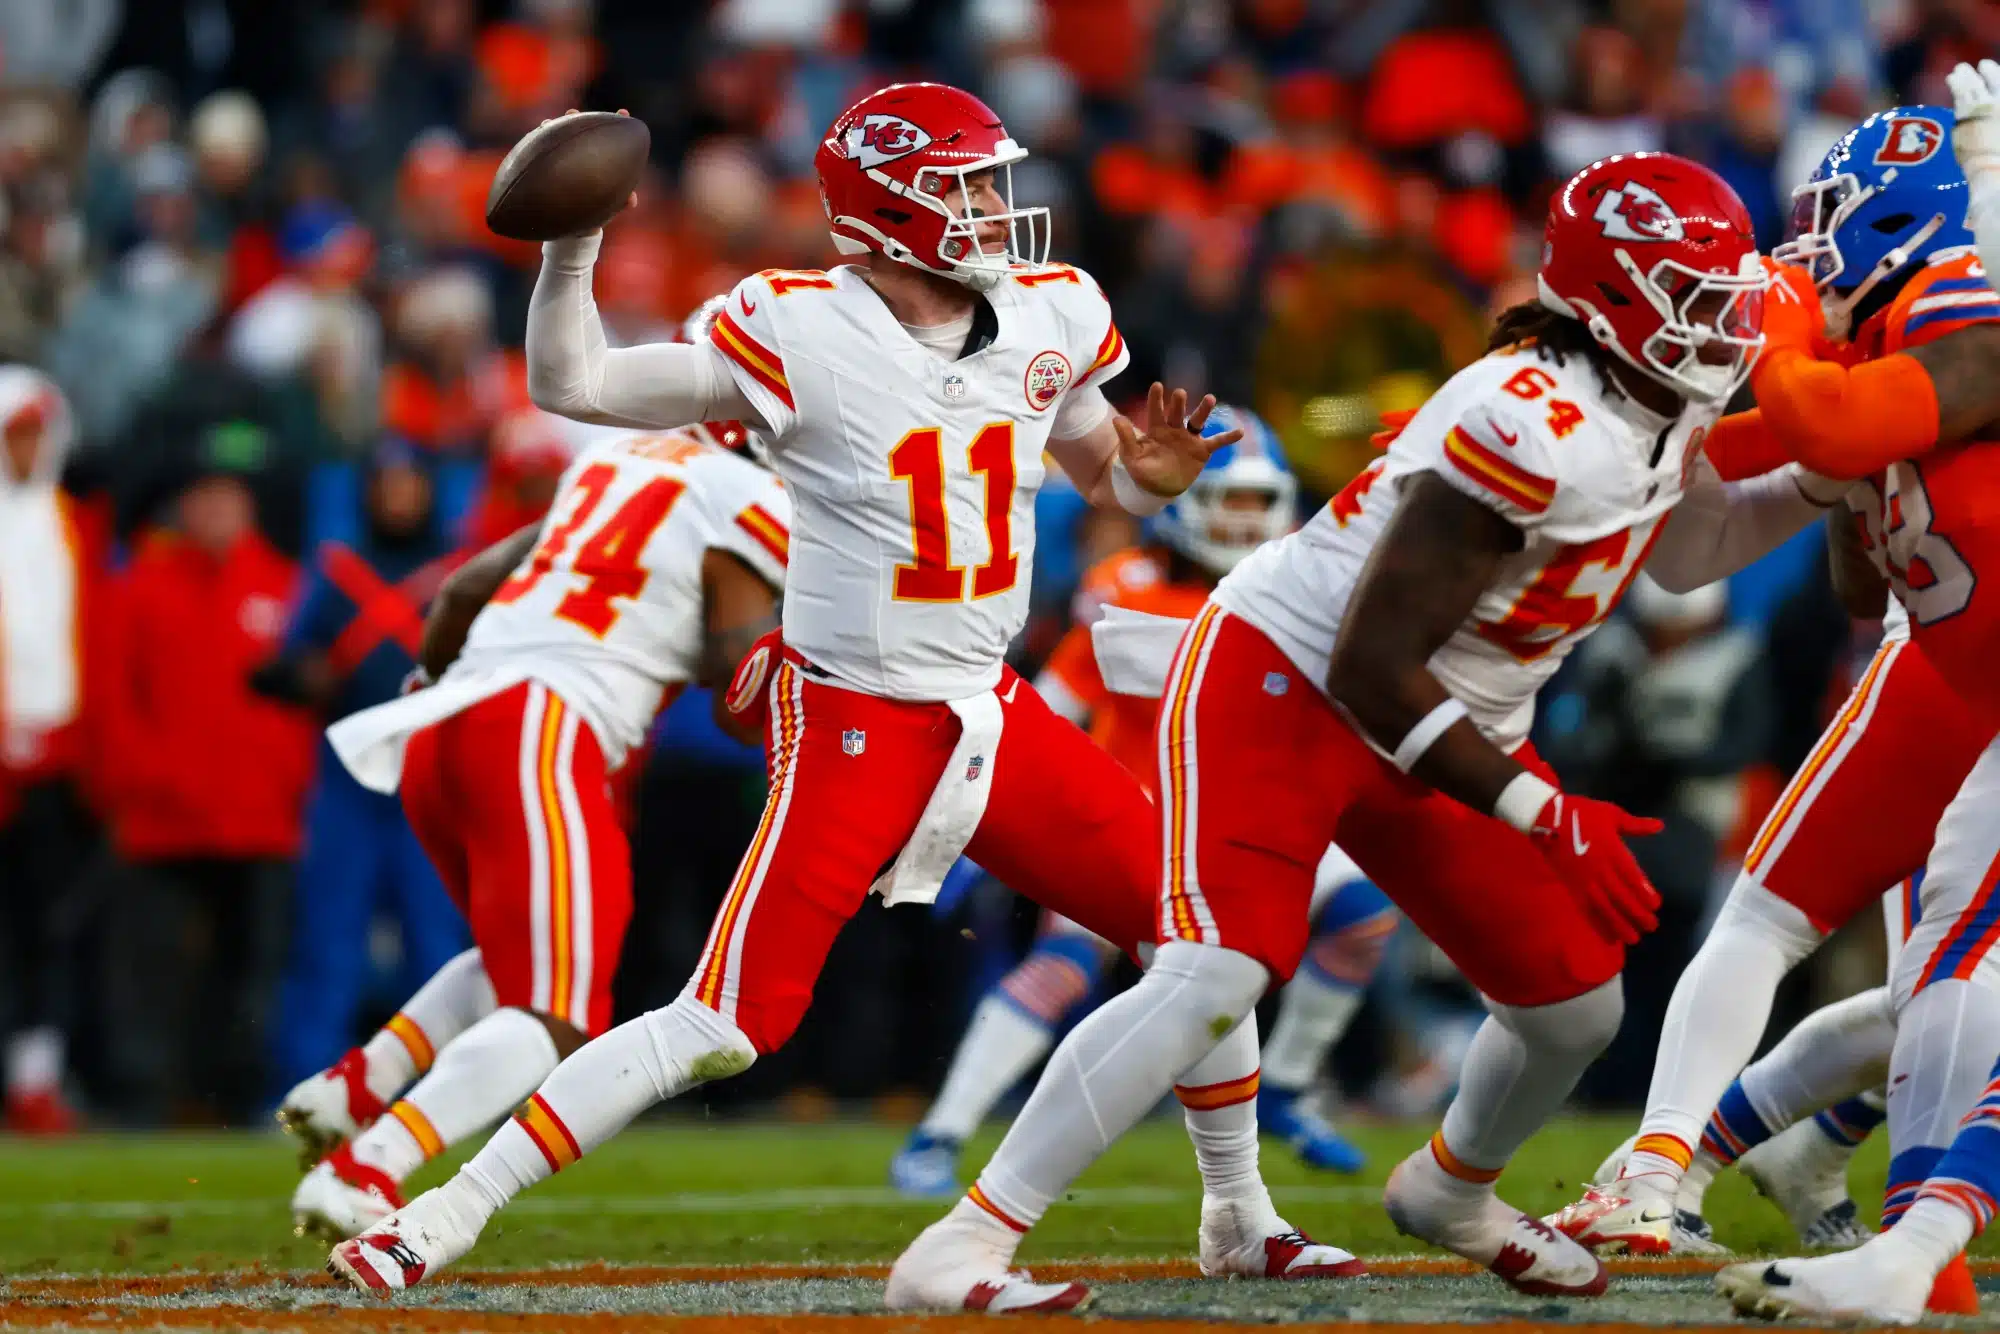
(1635, 212)
(883, 138)
(1911, 139)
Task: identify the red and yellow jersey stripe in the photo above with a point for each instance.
(763, 365)
(1108, 351)
(1497, 474)
(770, 534)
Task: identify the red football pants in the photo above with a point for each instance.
(509, 799)
(1258, 774)
(850, 776)
(1862, 810)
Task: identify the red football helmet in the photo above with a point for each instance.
(731, 435)
(1654, 254)
(887, 170)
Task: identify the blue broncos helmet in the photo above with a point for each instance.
(1201, 525)
(1888, 196)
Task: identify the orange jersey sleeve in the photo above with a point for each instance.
(1940, 299)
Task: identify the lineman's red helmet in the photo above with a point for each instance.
(1655, 255)
(895, 163)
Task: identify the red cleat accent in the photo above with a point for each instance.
(1279, 1252)
(1513, 1261)
(1952, 1292)
(392, 1246)
(363, 1177)
(352, 1069)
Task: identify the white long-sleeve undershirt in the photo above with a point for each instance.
(1719, 527)
(574, 372)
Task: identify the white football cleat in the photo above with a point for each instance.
(1804, 1173)
(1247, 1239)
(1855, 1285)
(407, 1247)
(342, 1198)
(1425, 1202)
(954, 1265)
(325, 1110)
(1630, 1216)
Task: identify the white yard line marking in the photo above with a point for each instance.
(692, 1202)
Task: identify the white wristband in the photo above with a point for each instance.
(1521, 801)
(1133, 498)
(1425, 734)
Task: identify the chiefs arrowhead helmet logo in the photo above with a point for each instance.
(1635, 212)
(1911, 139)
(883, 138)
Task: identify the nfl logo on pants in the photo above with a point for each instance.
(854, 741)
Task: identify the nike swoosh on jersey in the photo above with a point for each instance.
(743, 300)
(1576, 840)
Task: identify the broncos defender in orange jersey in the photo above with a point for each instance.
(1908, 405)
(1245, 497)
(1881, 230)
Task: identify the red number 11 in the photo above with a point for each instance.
(918, 461)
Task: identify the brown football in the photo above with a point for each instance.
(567, 177)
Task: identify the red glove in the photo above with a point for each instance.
(747, 700)
(1584, 843)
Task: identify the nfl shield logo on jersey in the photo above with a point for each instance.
(954, 386)
(1047, 377)
(1276, 683)
(854, 741)
(972, 768)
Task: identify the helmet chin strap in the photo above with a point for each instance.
(1838, 311)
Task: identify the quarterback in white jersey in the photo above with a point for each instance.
(908, 401)
(658, 564)
(1369, 680)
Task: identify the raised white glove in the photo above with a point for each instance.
(1975, 97)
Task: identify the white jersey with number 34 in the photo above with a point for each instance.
(1586, 475)
(607, 609)
(913, 477)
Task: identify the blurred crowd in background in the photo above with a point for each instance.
(244, 240)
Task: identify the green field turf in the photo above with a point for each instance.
(677, 1191)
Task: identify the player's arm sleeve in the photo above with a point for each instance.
(757, 529)
(1080, 412)
(573, 372)
(1719, 527)
(1501, 459)
(1741, 445)
(1847, 422)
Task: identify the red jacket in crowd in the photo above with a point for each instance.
(195, 765)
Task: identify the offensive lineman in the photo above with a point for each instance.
(1245, 497)
(907, 402)
(1428, 602)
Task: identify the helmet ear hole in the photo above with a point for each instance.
(1894, 223)
(1612, 295)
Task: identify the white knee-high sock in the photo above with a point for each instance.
(457, 996)
(1110, 1071)
(1947, 1040)
(1313, 1011)
(1001, 1044)
(1715, 1019)
(1519, 1071)
(1218, 1096)
(596, 1093)
(1837, 1051)
(480, 1076)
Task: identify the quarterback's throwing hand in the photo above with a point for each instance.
(1172, 451)
(1584, 842)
